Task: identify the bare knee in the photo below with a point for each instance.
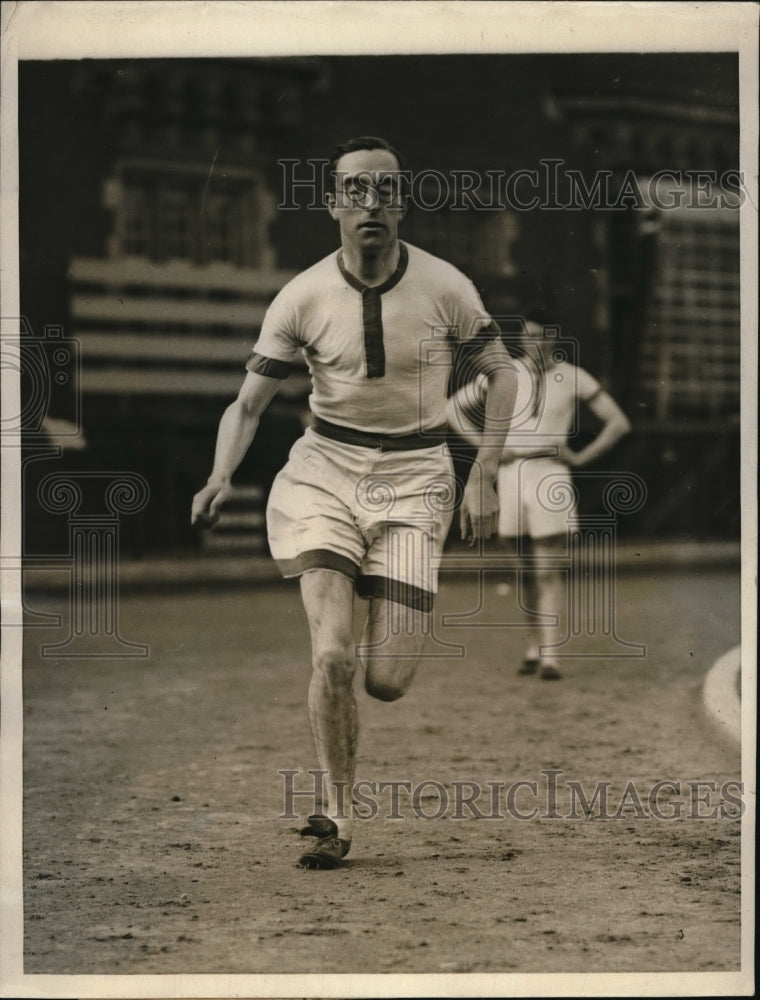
(384, 690)
(388, 682)
(334, 665)
(545, 554)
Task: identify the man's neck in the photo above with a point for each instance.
(371, 267)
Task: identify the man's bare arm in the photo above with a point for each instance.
(236, 431)
(460, 404)
(479, 514)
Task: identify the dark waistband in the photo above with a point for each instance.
(551, 452)
(385, 442)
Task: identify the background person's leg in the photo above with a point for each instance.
(523, 582)
(328, 601)
(549, 596)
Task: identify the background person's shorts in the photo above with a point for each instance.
(378, 517)
(536, 498)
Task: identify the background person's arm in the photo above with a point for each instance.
(615, 425)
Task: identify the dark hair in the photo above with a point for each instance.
(362, 142)
(543, 315)
(515, 327)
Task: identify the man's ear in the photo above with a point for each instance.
(332, 208)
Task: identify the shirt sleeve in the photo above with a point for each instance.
(587, 385)
(278, 343)
(470, 320)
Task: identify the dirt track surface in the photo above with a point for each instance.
(152, 840)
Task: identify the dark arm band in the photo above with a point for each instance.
(269, 367)
(468, 351)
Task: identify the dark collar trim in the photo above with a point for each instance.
(391, 282)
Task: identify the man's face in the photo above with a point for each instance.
(367, 203)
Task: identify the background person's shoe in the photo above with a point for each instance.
(550, 672)
(528, 666)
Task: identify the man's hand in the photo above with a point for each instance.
(206, 503)
(479, 513)
(236, 430)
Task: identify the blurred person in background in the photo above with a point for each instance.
(536, 458)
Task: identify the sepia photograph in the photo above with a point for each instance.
(379, 509)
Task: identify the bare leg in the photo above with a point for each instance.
(328, 601)
(392, 643)
(523, 582)
(527, 599)
(550, 599)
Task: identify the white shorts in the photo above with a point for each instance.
(378, 517)
(537, 498)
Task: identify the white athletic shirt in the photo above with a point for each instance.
(395, 386)
(545, 407)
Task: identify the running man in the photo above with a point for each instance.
(363, 504)
(536, 458)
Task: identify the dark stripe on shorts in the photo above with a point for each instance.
(395, 591)
(318, 559)
(372, 311)
(270, 367)
(386, 442)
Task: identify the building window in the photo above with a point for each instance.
(690, 357)
(221, 231)
(175, 238)
(137, 221)
(164, 211)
